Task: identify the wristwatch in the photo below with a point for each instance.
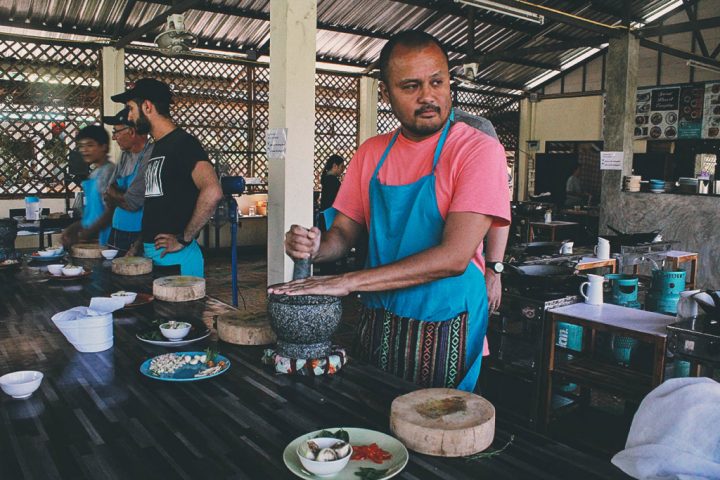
(496, 267)
(180, 237)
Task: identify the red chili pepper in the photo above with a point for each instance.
(370, 452)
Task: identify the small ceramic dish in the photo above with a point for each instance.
(56, 268)
(324, 468)
(175, 331)
(109, 254)
(21, 384)
(127, 297)
(72, 271)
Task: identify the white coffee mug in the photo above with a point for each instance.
(594, 295)
(602, 249)
(567, 248)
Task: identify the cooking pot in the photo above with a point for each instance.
(304, 324)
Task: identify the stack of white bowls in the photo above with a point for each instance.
(688, 185)
(631, 183)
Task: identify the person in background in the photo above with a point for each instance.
(574, 193)
(181, 187)
(94, 145)
(330, 181)
(126, 192)
(426, 194)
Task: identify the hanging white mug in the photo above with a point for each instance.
(567, 248)
(602, 249)
(594, 294)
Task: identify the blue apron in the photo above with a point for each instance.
(125, 220)
(189, 258)
(94, 208)
(405, 220)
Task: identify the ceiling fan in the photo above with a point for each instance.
(175, 38)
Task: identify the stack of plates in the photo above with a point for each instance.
(688, 185)
(657, 186)
(631, 183)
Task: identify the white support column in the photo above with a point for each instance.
(113, 82)
(292, 107)
(368, 108)
(525, 134)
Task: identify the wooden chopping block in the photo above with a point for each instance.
(179, 288)
(443, 422)
(86, 250)
(245, 328)
(131, 265)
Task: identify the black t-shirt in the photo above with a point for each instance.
(330, 186)
(170, 193)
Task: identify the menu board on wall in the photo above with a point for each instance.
(711, 116)
(682, 111)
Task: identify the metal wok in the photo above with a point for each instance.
(541, 275)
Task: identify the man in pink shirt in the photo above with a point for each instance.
(426, 195)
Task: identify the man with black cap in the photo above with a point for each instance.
(126, 192)
(181, 187)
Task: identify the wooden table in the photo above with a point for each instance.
(552, 226)
(586, 370)
(95, 416)
(591, 263)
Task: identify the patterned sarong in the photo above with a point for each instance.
(429, 354)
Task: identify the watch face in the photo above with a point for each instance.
(499, 267)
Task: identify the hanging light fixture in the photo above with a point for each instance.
(505, 10)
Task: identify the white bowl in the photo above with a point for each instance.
(72, 271)
(21, 384)
(127, 297)
(109, 254)
(51, 252)
(175, 334)
(56, 268)
(322, 469)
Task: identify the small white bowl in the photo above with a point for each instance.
(322, 469)
(56, 269)
(72, 271)
(127, 297)
(21, 384)
(175, 334)
(109, 254)
(50, 252)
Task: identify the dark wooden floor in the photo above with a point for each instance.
(95, 416)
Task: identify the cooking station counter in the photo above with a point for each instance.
(96, 416)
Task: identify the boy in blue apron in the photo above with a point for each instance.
(93, 145)
(126, 191)
(426, 195)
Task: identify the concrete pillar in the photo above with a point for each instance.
(525, 134)
(620, 87)
(292, 107)
(368, 108)
(113, 82)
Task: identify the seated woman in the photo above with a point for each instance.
(94, 145)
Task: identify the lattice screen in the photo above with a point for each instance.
(47, 93)
(503, 112)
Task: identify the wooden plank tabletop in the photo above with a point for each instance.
(95, 416)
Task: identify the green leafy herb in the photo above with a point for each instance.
(369, 473)
(211, 354)
(490, 454)
(340, 435)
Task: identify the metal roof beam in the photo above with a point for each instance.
(671, 13)
(510, 55)
(600, 6)
(181, 7)
(564, 17)
(680, 27)
(678, 53)
(697, 34)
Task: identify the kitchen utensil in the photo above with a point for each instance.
(546, 276)
(634, 238)
(567, 248)
(21, 384)
(593, 294)
(304, 324)
(602, 249)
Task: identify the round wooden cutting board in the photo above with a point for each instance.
(245, 328)
(179, 288)
(443, 422)
(132, 266)
(86, 250)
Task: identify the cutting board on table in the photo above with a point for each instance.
(443, 422)
(179, 288)
(86, 250)
(245, 328)
(132, 266)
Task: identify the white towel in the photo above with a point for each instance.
(675, 433)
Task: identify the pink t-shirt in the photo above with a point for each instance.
(471, 175)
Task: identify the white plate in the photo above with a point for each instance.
(179, 343)
(358, 436)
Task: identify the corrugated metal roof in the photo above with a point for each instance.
(349, 31)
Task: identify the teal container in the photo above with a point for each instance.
(681, 369)
(665, 291)
(622, 348)
(569, 336)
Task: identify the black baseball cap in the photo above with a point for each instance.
(148, 89)
(121, 118)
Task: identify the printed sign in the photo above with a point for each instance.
(711, 117)
(611, 160)
(276, 141)
(690, 111)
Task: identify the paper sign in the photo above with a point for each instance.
(611, 160)
(276, 141)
